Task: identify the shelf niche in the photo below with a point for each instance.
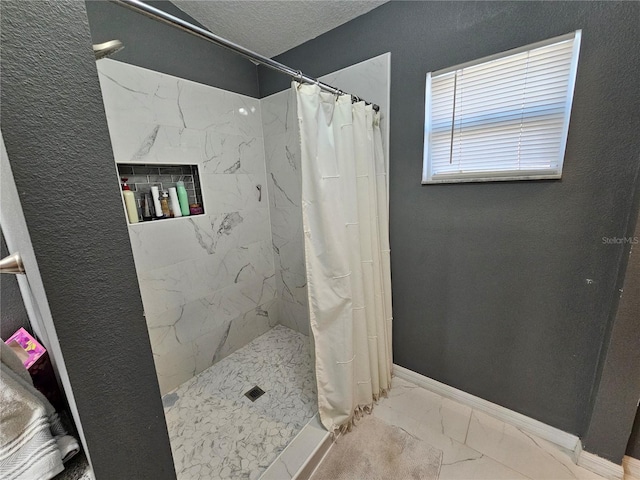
(141, 177)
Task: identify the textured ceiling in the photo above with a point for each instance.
(271, 27)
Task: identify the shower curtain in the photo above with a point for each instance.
(346, 235)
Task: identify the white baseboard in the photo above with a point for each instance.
(631, 466)
(599, 465)
(527, 424)
(590, 461)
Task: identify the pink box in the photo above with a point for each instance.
(33, 350)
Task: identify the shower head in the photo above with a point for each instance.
(101, 50)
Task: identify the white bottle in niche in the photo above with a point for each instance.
(175, 203)
(155, 193)
(129, 202)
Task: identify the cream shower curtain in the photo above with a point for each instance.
(346, 228)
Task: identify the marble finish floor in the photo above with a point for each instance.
(475, 445)
(217, 433)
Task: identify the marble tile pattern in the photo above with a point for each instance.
(284, 177)
(368, 79)
(208, 282)
(474, 444)
(218, 433)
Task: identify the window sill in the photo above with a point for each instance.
(490, 178)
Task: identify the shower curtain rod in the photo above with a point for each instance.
(165, 17)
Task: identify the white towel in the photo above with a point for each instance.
(33, 442)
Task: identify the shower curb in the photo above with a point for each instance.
(303, 454)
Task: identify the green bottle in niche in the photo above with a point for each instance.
(183, 198)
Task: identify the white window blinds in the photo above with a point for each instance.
(504, 117)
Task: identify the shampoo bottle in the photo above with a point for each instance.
(175, 204)
(164, 204)
(148, 210)
(155, 193)
(183, 198)
(129, 202)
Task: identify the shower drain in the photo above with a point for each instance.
(255, 393)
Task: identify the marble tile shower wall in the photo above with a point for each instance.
(284, 177)
(368, 79)
(208, 282)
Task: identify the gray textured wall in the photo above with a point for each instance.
(158, 46)
(616, 397)
(55, 131)
(12, 312)
(504, 290)
(633, 447)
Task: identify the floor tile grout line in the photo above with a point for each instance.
(485, 454)
(499, 462)
(496, 461)
(540, 448)
(454, 442)
(466, 434)
(489, 456)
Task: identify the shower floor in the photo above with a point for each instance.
(217, 432)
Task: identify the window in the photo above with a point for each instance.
(503, 117)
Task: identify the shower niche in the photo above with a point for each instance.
(140, 179)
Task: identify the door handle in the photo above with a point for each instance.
(12, 264)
